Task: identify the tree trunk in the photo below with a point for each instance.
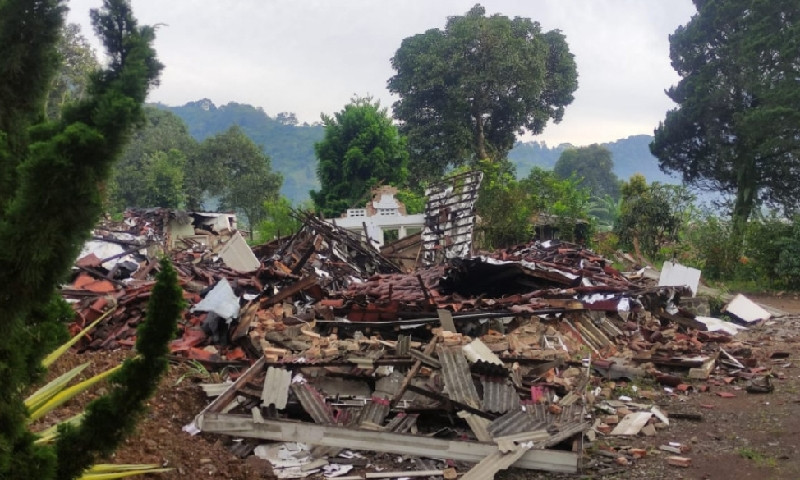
(480, 138)
(746, 190)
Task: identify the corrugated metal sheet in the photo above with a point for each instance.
(499, 395)
(313, 403)
(477, 351)
(513, 422)
(458, 383)
(276, 387)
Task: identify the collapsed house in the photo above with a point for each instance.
(493, 359)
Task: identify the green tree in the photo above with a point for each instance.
(652, 215)
(508, 207)
(53, 175)
(278, 220)
(606, 210)
(735, 127)
(156, 157)
(232, 168)
(592, 166)
(361, 149)
(504, 207)
(113, 416)
(78, 62)
(164, 179)
(468, 90)
(563, 199)
(289, 146)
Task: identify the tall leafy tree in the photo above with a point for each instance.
(232, 168)
(468, 90)
(155, 158)
(592, 166)
(361, 148)
(735, 127)
(53, 175)
(163, 176)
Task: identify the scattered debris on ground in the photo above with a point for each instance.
(535, 357)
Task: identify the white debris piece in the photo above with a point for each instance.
(746, 310)
(717, 325)
(220, 300)
(677, 275)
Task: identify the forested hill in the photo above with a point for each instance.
(290, 145)
(631, 155)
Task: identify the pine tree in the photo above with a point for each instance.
(52, 176)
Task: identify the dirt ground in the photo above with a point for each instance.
(745, 436)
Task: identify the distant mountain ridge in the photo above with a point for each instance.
(291, 145)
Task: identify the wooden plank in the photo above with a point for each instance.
(446, 319)
(397, 443)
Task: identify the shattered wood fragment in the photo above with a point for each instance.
(412, 372)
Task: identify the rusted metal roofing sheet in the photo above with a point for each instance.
(313, 403)
(499, 395)
(457, 378)
(373, 413)
(402, 423)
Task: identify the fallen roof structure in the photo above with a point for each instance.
(495, 359)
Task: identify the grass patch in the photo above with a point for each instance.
(761, 459)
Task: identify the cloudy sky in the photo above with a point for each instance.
(312, 56)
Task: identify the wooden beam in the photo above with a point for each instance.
(289, 291)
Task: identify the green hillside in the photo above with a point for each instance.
(290, 145)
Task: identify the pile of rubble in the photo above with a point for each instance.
(495, 360)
